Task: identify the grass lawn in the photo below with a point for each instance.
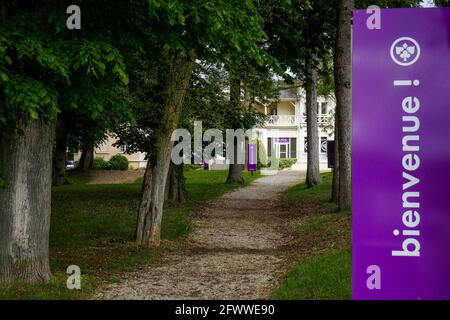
(324, 270)
(92, 226)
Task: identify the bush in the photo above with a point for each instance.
(119, 162)
(287, 163)
(100, 164)
(276, 164)
(262, 155)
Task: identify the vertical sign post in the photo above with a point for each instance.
(401, 154)
(252, 160)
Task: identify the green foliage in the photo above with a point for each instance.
(212, 28)
(216, 32)
(118, 162)
(262, 154)
(100, 164)
(388, 3)
(45, 69)
(274, 163)
(287, 163)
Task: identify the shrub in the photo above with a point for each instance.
(276, 164)
(100, 164)
(262, 155)
(287, 163)
(119, 162)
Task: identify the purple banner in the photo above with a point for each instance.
(252, 159)
(401, 154)
(282, 140)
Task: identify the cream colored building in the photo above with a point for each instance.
(107, 149)
(285, 130)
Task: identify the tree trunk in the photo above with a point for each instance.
(313, 168)
(60, 153)
(87, 159)
(335, 187)
(343, 77)
(177, 77)
(175, 186)
(26, 161)
(235, 169)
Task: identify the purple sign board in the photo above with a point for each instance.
(401, 154)
(252, 160)
(282, 140)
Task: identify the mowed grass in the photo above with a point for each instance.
(324, 269)
(92, 226)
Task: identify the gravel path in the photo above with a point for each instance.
(240, 248)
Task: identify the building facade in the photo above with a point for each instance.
(285, 132)
(107, 150)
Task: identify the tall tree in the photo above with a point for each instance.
(39, 66)
(300, 37)
(343, 80)
(235, 170)
(313, 163)
(343, 85)
(185, 31)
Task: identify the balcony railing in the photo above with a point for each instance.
(291, 120)
(284, 121)
(321, 119)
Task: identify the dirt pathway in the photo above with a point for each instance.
(239, 249)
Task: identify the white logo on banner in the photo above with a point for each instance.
(405, 51)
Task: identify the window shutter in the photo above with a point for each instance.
(293, 148)
(269, 147)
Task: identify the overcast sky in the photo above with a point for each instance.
(428, 3)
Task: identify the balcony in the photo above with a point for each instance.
(283, 121)
(295, 121)
(322, 120)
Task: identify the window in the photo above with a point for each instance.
(324, 108)
(323, 144)
(269, 147)
(283, 151)
(293, 148)
(123, 148)
(274, 111)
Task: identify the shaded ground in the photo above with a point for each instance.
(114, 176)
(92, 226)
(240, 249)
